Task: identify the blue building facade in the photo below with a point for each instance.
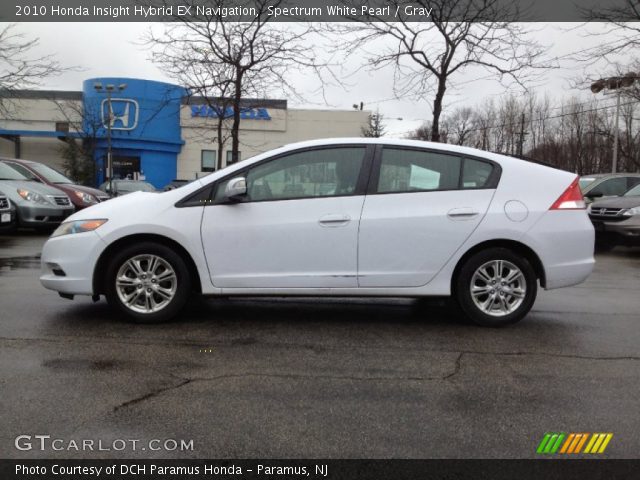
(145, 127)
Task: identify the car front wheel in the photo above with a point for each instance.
(148, 282)
(496, 287)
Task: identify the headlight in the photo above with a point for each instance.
(85, 197)
(630, 212)
(78, 226)
(589, 209)
(30, 196)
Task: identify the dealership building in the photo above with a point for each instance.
(158, 131)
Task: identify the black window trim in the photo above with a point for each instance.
(361, 184)
(492, 181)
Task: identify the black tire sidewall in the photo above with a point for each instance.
(179, 266)
(463, 295)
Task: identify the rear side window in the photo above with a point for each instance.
(475, 173)
(417, 171)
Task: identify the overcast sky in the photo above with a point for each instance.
(113, 49)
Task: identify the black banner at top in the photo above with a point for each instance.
(318, 10)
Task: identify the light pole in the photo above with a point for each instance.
(617, 84)
(109, 88)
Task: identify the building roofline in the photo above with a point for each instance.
(245, 102)
(42, 94)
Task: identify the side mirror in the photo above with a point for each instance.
(235, 189)
(595, 194)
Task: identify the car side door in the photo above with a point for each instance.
(420, 208)
(297, 226)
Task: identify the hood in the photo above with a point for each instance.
(617, 202)
(10, 188)
(92, 191)
(114, 206)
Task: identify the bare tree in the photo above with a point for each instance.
(232, 60)
(79, 147)
(457, 35)
(375, 127)
(19, 68)
(622, 30)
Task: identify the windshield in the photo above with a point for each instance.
(134, 186)
(635, 191)
(8, 173)
(49, 173)
(584, 181)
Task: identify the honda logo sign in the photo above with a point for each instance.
(124, 113)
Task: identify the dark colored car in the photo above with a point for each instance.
(122, 187)
(7, 213)
(617, 220)
(79, 195)
(607, 185)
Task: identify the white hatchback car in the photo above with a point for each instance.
(340, 217)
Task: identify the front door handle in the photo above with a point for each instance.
(464, 213)
(334, 220)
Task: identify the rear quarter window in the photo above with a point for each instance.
(476, 173)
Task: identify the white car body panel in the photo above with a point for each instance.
(279, 244)
(286, 251)
(406, 238)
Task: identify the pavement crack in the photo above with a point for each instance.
(456, 369)
(152, 394)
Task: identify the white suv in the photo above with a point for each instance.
(358, 217)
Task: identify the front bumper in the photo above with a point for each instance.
(7, 224)
(624, 232)
(68, 262)
(42, 215)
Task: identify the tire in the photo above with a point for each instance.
(496, 304)
(603, 246)
(153, 277)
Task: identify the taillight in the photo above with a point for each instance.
(571, 198)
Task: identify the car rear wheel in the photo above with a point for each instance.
(496, 287)
(148, 282)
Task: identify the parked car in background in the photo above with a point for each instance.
(79, 195)
(117, 188)
(339, 217)
(37, 205)
(7, 213)
(173, 184)
(607, 185)
(617, 220)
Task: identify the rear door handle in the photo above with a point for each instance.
(464, 213)
(334, 220)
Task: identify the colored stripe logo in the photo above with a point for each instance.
(572, 443)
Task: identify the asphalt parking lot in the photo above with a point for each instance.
(305, 378)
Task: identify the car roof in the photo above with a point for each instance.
(17, 160)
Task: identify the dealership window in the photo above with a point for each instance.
(230, 156)
(208, 160)
(417, 170)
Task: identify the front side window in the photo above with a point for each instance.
(308, 174)
(415, 171)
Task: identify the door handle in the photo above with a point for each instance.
(465, 213)
(334, 220)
